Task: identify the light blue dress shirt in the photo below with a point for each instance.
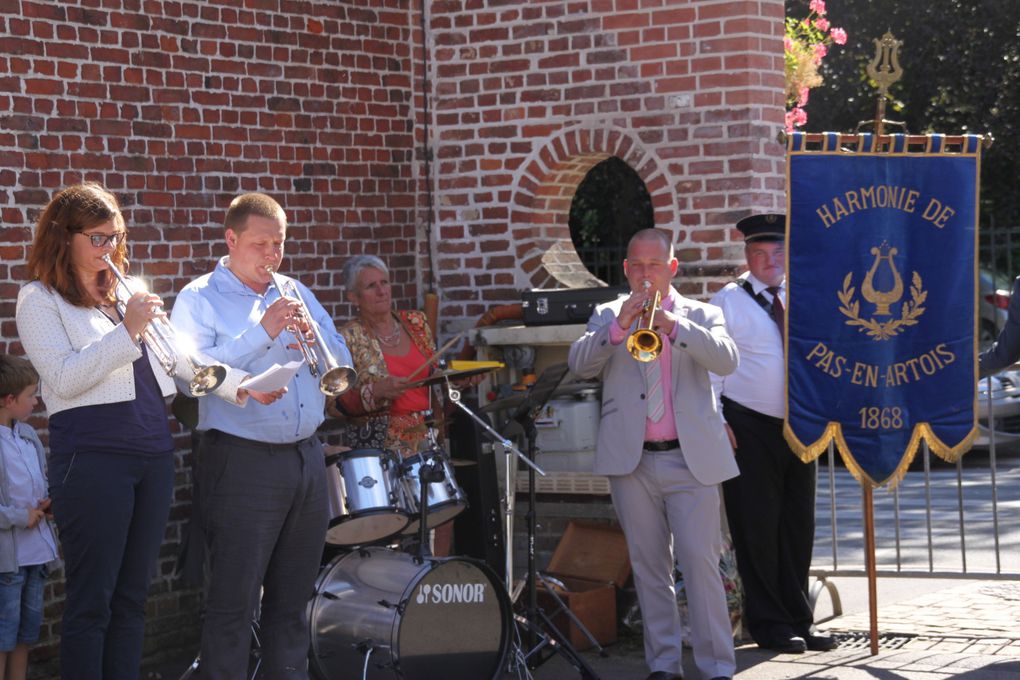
(220, 316)
(26, 486)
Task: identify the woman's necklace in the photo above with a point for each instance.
(391, 339)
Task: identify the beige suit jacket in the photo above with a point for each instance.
(701, 346)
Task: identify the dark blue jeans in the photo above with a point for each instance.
(111, 509)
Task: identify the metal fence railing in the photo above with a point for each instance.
(942, 520)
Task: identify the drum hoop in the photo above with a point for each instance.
(368, 512)
(366, 453)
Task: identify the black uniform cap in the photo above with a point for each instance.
(769, 227)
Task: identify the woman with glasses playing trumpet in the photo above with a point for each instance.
(111, 452)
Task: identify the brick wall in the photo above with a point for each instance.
(178, 105)
(530, 95)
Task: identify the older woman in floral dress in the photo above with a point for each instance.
(382, 412)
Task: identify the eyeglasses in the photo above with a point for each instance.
(100, 240)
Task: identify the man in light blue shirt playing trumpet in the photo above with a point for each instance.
(261, 484)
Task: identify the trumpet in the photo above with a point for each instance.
(334, 379)
(160, 338)
(644, 344)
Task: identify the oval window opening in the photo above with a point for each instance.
(610, 204)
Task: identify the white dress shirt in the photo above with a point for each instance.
(759, 381)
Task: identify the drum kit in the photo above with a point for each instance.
(380, 613)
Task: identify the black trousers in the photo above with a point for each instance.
(770, 507)
(264, 514)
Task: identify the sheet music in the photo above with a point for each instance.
(273, 378)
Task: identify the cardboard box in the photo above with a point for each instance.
(590, 562)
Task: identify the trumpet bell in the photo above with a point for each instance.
(644, 345)
(338, 380)
(207, 379)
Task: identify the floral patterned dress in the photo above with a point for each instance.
(370, 422)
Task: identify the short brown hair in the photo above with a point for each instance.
(72, 211)
(16, 373)
(246, 205)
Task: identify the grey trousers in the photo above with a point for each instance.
(666, 514)
(264, 517)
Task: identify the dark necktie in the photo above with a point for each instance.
(777, 312)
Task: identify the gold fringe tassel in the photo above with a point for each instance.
(834, 432)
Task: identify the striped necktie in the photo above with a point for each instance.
(653, 390)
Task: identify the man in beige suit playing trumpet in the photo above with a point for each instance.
(662, 444)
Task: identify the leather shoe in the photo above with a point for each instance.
(664, 675)
(821, 643)
(787, 645)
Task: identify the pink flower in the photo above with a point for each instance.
(802, 96)
(795, 117)
(818, 6)
(838, 36)
(820, 52)
(787, 44)
(822, 24)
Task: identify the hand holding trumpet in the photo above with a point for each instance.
(281, 315)
(645, 343)
(639, 306)
(634, 307)
(141, 308)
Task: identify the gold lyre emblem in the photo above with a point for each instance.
(883, 299)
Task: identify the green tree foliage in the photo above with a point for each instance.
(961, 74)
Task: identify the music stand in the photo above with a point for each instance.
(536, 621)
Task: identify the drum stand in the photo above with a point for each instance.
(543, 639)
(428, 473)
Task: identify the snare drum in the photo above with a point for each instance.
(443, 618)
(365, 497)
(445, 498)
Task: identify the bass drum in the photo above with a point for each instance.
(445, 618)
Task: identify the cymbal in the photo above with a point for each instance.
(461, 462)
(516, 400)
(441, 376)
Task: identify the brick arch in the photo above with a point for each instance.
(540, 205)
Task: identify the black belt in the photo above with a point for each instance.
(667, 445)
(227, 438)
(740, 408)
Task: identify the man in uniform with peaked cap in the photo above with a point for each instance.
(770, 505)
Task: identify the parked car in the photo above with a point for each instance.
(994, 290)
(1005, 407)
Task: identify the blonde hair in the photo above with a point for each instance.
(246, 205)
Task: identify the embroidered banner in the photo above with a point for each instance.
(882, 313)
